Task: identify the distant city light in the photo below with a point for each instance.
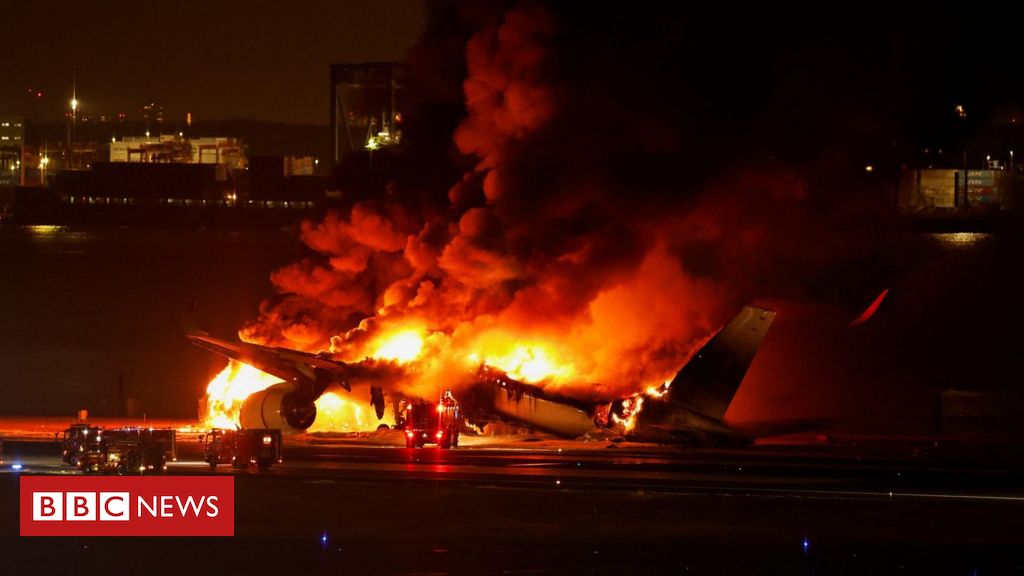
(960, 111)
(74, 104)
(869, 168)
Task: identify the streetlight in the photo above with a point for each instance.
(961, 114)
(71, 127)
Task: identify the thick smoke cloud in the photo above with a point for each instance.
(585, 223)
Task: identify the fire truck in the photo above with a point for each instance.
(433, 424)
(74, 442)
(240, 448)
(118, 451)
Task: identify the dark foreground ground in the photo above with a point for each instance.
(613, 511)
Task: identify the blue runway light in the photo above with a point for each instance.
(15, 466)
(806, 544)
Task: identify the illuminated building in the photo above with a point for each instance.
(12, 143)
(228, 154)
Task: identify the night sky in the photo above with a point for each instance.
(864, 75)
(262, 60)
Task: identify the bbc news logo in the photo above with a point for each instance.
(115, 506)
(118, 506)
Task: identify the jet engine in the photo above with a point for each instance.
(279, 407)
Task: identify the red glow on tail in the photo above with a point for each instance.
(870, 310)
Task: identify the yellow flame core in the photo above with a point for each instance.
(336, 414)
(226, 392)
(531, 363)
(403, 346)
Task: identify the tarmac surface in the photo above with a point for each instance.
(525, 507)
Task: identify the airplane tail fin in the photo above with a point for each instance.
(708, 382)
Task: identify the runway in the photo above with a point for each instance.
(382, 509)
(768, 471)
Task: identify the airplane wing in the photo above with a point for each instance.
(310, 374)
(288, 365)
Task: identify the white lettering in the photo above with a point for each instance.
(47, 506)
(167, 506)
(114, 506)
(80, 506)
(144, 504)
(190, 503)
(211, 502)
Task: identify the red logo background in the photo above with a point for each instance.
(147, 487)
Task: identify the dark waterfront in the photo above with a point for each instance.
(83, 305)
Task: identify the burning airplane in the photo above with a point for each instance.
(551, 284)
(285, 390)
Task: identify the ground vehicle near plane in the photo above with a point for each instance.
(93, 449)
(74, 442)
(242, 447)
(433, 424)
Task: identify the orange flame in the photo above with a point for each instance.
(229, 389)
(632, 405)
(531, 362)
(630, 410)
(336, 413)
